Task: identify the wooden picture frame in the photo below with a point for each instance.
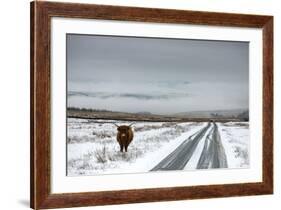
(40, 187)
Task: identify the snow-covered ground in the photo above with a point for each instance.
(92, 147)
(235, 137)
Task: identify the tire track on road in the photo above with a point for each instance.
(182, 154)
(213, 154)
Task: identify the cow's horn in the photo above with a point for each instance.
(131, 124)
(115, 125)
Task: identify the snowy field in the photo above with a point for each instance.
(235, 138)
(92, 148)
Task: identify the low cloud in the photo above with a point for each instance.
(140, 96)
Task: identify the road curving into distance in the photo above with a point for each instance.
(212, 156)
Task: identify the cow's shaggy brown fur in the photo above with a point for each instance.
(125, 136)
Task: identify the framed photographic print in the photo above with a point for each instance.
(136, 105)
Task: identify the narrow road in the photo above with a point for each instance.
(212, 156)
(182, 154)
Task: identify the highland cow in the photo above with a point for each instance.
(125, 136)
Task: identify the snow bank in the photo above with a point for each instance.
(235, 139)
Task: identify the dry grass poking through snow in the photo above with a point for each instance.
(93, 149)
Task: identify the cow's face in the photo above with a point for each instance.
(124, 130)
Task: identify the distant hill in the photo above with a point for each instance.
(244, 115)
(144, 113)
(233, 113)
(147, 116)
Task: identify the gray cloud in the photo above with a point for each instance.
(156, 75)
(105, 95)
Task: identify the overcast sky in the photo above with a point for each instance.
(161, 76)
